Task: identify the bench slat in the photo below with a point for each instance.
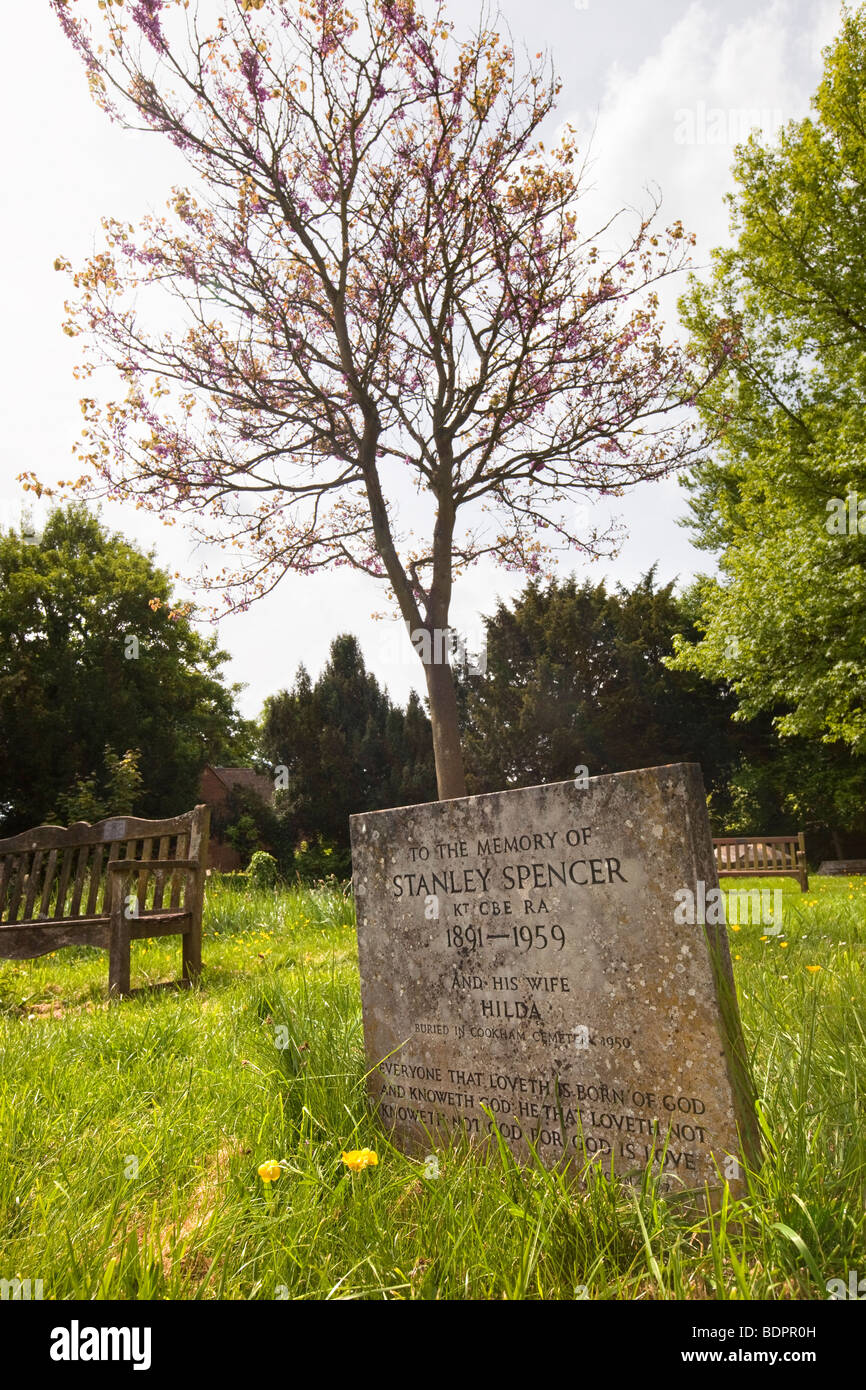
(143, 877)
(32, 884)
(19, 877)
(48, 883)
(113, 858)
(139, 925)
(162, 924)
(134, 866)
(178, 883)
(5, 873)
(159, 876)
(78, 887)
(63, 887)
(39, 938)
(95, 880)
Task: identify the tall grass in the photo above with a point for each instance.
(131, 1134)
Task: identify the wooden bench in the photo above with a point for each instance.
(105, 885)
(762, 856)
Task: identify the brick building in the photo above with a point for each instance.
(217, 786)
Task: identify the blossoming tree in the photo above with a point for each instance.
(384, 291)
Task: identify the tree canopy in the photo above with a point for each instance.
(401, 351)
(783, 496)
(576, 677)
(97, 662)
(345, 746)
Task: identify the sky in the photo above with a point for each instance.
(659, 94)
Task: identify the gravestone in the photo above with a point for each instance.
(555, 959)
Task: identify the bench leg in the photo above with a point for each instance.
(801, 864)
(118, 956)
(191, 949)
(191, 952)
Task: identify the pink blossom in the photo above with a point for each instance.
(250, 67)
(146, 16)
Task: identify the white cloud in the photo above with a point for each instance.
(706, 76)
(826, 21)
(673, 120)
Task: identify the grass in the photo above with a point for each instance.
(131, 1135)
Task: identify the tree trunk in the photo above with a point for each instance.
(433, 626)
(450, 777)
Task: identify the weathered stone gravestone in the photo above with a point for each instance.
(556, 955)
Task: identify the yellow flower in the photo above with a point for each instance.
(357, 1159)
(735, 928)
(813, 968)
(765, 938)
(783, 943)
(270, 1171)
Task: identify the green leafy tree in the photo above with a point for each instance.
(123, 790)
(346, 747)
(94, 656)
(243, 835)
(579, 677)
(783, 496)
(800, 785)
(315, 861)
(576, 678)
(411, 771)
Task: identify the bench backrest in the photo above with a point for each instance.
(758, 854)
(54, 874)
